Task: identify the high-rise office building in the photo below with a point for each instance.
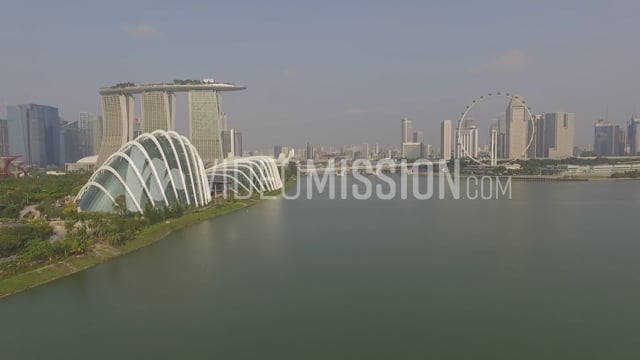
(4, 137)
(34, 134)
(603, 140)
(428, 151)
(236, 136)
(493, 147)
(225, 136)
(535, 134)
(309, 151)
(69, 142)
(225, 122)
(619, 141)
(500, 125)
(364, 150)
(633, 136)
(418, 137)
(559, 134)
(538, 145)
(277, 150)
(406, 130)
(158, 112)
(516, 129)
(445, 140)
(89, 134)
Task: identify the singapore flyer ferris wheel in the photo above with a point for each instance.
(520, 132)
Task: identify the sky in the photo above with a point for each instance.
(331, 72)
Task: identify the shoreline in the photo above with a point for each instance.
(102, 253)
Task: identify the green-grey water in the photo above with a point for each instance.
(550, 274)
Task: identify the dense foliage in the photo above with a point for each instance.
(29, 244)
(627, 175)
(18, 192)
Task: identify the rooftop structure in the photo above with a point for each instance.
(158, 105)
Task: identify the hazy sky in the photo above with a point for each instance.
(331, 72)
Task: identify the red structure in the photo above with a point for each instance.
(5, 163)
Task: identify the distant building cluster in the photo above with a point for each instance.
(518, 135)
(39, 137)
(610, 140)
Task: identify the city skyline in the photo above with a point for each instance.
(288, 95)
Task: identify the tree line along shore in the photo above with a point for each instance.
(43, 237)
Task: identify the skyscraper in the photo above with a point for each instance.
(277, 150)
(406, 129)
(428, 151)
(158, 110)
(69, 142)
(538, 145)
(309, 151)
(225, 136)
(158, 113)
(633, 136)
(603, 140)
(4, 137)
(418, 137)
(619, 141)
(236, 136)
(494, 147)
(516, 129)
(89, 134)
(34, 134)
(501, 138)
(118, 124)
(558, 135)
(445, 140)
(536, 135)
(364, 150)
(205, 124)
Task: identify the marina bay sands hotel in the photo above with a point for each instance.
(158, 110)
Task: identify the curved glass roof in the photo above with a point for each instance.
(156, 170)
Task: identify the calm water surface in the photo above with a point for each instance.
(551, 274)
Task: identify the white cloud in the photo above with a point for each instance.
(511, 61)
(142, 30)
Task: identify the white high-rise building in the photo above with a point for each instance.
(445, 140)
(205, 123)
(494, 147)
(406, 130)
(467, 143)
(117, 127)
(516, 129)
